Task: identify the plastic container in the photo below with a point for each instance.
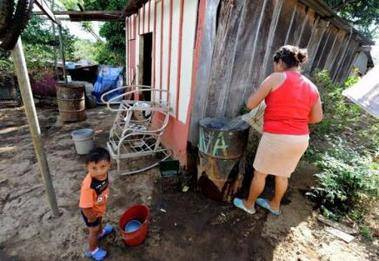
(132, 226)
(83, 140)
(140, 213)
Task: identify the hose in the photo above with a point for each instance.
(12, 24)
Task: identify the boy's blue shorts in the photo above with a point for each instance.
(96, 223)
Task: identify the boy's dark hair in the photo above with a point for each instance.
(291, 55)
(98, 154)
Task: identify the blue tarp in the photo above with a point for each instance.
(109, 78)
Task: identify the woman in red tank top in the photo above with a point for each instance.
(292, 103)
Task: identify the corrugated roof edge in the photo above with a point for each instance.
(321, 8)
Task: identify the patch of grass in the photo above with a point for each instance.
(366, 232)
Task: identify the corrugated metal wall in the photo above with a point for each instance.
(242, 44)
(173, 24)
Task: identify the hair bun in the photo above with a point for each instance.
(302, 56)
(291, 55)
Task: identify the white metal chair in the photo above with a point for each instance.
(138, 126)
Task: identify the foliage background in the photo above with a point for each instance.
(362, 14)
(113, 50)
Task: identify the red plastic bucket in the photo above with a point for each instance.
(140, 213)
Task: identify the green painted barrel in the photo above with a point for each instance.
(222, 143)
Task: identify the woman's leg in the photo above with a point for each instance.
(281, 184)
(256, 188)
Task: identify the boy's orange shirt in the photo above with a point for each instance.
(94, 194)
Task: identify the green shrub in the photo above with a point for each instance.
(342, 118)
(348, 182)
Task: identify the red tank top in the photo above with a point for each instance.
(289, 106)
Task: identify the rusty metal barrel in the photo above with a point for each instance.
(71, 101)
(222, 144)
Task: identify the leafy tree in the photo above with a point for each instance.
(113, 51)
(70, 4)
(39, 42)
(112, 31)
(363, 14)
(94, 52)
(85, 49)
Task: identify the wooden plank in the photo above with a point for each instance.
(343, 64)
(327, 47)
(245, 52)
(279, 31)
(340, 234)
(298, 25)
(77, 16)
(336, 51)
(323, 40)
(315, 42)
(346, 43)
(270, 40)
(306, 28)
(229, 19)
(35, 131)
(260, 43)
(46, 10)
(223, 97)
(204, 69)
(347, 63)
(336, 225)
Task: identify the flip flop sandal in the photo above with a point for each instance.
(239, 204)
(106, 231)
(264, 203)
(99, 255)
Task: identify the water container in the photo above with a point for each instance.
(84, 140)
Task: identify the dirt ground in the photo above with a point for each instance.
(192, 227)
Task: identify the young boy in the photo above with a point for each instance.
(93, 200)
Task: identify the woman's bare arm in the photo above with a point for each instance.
(316, 115)
(270, 83)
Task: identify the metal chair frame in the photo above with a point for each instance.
(131, 137)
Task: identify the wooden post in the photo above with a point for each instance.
(31, 114)
(54, 48)
(62, 53)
